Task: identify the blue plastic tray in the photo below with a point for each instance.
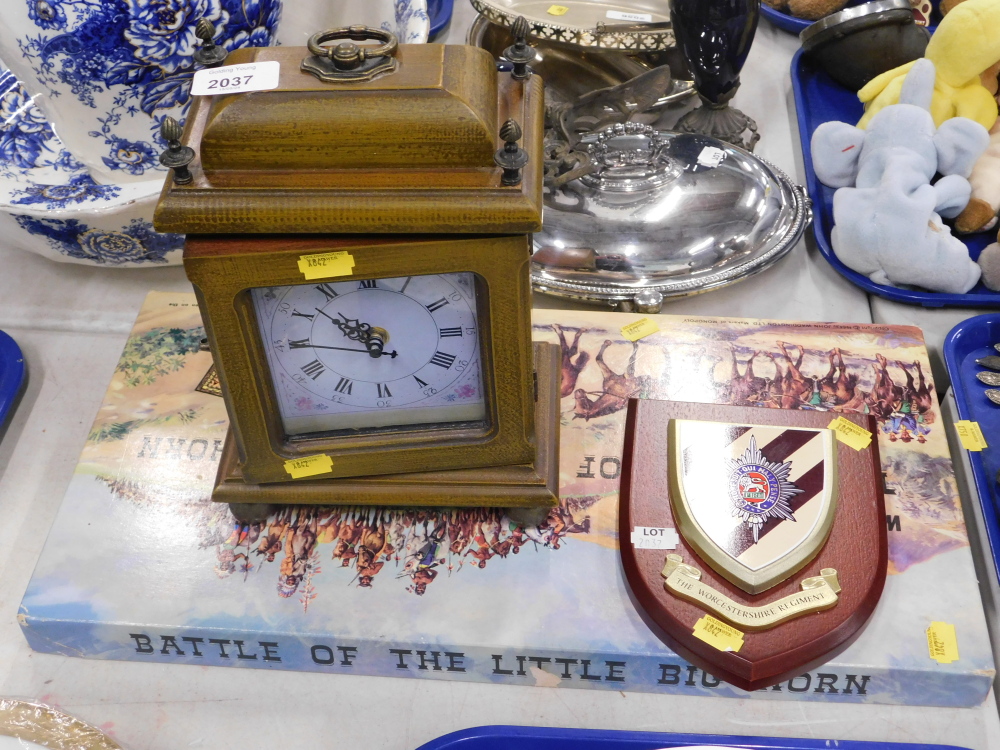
(439, 12)
(965, 343)
(532, 738)
(794, 25)
(11, 376)
(819, 99)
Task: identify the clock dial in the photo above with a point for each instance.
(373, 353)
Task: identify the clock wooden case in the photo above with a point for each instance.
(224, 270)
(410, 354)
(411, 151)
(534, 484)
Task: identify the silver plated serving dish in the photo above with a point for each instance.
(571, 72)
(609, 24)
(662, 215)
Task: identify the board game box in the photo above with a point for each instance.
(141, 565)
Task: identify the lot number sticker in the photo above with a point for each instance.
(236, 79)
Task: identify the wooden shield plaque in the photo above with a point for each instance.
(753, 540)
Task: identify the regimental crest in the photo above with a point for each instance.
(759, 489)
(777, 565)
(756, 502)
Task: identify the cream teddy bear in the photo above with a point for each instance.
(982, 210)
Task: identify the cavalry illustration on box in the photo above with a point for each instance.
(517, 603)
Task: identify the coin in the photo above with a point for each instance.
(992, 361)
(990, 378)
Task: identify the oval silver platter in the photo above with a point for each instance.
(664, 215)
(571, 72)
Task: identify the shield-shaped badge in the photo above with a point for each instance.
(756, 502)
(753, 541)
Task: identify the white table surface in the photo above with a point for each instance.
(71, 323)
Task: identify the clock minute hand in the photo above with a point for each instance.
(391, 354)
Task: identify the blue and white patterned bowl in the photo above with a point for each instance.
(50, 202)
(50, 205)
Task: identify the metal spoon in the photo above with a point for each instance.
(990, 378)
(992, 362)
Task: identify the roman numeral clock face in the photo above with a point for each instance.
(373, 353)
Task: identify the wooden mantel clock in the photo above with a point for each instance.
(358, 238)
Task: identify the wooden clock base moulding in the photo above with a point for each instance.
(856, 548)
(519, 486)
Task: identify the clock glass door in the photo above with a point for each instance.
(373, 353)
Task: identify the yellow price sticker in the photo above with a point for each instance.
(718, 634)
(309, 466)
(557, 10)
(971, 435)
(326, 265)
(850, 434)
(639, 329)
(942, 643)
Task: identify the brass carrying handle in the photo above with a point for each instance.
(347, 55)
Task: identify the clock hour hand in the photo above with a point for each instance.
(373, 338)
(369, 352)
(354, 329)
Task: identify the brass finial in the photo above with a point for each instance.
(205, 30)
(511, 158)
(171, 130)
(209, 54)
(519, 30)
(510, 133)
(176, 157)
(520, 53)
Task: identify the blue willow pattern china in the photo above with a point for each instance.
(31, 155)
(136, 55)
(145, 46)
(28, 142)
(412, 22)
(135, 243)
(138, 51)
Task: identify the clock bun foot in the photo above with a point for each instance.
(252, 512)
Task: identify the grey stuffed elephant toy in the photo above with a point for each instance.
(887, 213)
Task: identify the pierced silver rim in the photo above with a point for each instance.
(605, 37)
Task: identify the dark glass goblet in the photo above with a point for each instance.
(715, 37)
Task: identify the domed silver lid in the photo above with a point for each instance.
(670, 213)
